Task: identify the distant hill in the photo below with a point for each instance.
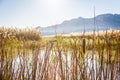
(102, 22)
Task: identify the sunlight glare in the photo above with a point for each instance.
(54, 4)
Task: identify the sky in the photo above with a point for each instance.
(33, 13)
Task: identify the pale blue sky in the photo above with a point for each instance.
(28, 13)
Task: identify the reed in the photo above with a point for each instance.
(24, 56)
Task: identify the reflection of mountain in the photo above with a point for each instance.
(77, 25)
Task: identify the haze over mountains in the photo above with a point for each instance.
(102, 22)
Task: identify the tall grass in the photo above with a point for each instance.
(60, 57)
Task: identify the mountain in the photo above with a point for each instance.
(102, 22)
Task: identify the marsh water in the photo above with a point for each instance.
(54, 65)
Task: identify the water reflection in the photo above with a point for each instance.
(32, 65)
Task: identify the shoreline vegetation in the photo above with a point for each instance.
(26, 55)
(87, 33)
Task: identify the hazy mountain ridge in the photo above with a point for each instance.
(102, 22)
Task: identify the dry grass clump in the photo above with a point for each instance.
(28, 34)
(11, 37)
(25, 34)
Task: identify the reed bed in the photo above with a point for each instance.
(61, 58)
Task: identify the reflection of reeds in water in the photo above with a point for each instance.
(68, 58)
